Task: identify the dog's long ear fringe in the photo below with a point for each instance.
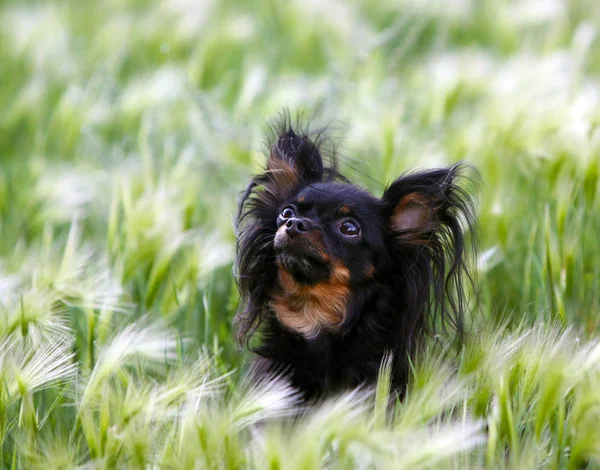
(296, 157)
(431, 218)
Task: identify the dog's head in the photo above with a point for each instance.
(327, 231)
(312, 246)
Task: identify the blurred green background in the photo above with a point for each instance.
(128, 129)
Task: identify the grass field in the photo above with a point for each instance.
(127, 130)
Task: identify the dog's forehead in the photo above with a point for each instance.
(336, 197)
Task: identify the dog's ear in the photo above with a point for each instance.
(419, 204)
(294, 159)
(429, 214)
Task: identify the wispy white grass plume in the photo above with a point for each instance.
(532, 12)
(488, 259)
(345, 407)
(77, 274)
(164, 86)
(32, 313)
(40, 35)
(33, 369)
(67, 193)
(52, 361)
(438, 393)
(586, 360)
(157, 211)
(193, 384)
(154, 345)
(339, 432)
(430, 448)
(191, 16)
(323, 432)
(264, 399)
(383, 390)
(343, 17)
(213, 253)
(53, 453)
(8, 284)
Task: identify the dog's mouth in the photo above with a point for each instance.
(302, 257)
(304, 269)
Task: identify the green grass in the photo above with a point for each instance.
(129, 128)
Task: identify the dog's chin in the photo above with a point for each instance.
(304, 269)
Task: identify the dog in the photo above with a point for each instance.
(333, 278)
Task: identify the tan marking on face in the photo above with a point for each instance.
(345, 210)
(280, 234)
(301, 199)
(370, 271)
(309, 309)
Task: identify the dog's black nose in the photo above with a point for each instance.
(296, 226)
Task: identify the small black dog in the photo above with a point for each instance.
(334, 278)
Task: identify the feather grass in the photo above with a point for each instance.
(127, 130)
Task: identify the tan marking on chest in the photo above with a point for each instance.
(309, 309)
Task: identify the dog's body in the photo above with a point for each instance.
(334, 278)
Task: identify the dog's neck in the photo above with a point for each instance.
(308, 309)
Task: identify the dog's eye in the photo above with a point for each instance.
(350, 228)
(287, 213)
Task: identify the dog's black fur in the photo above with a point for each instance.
(333, 277)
